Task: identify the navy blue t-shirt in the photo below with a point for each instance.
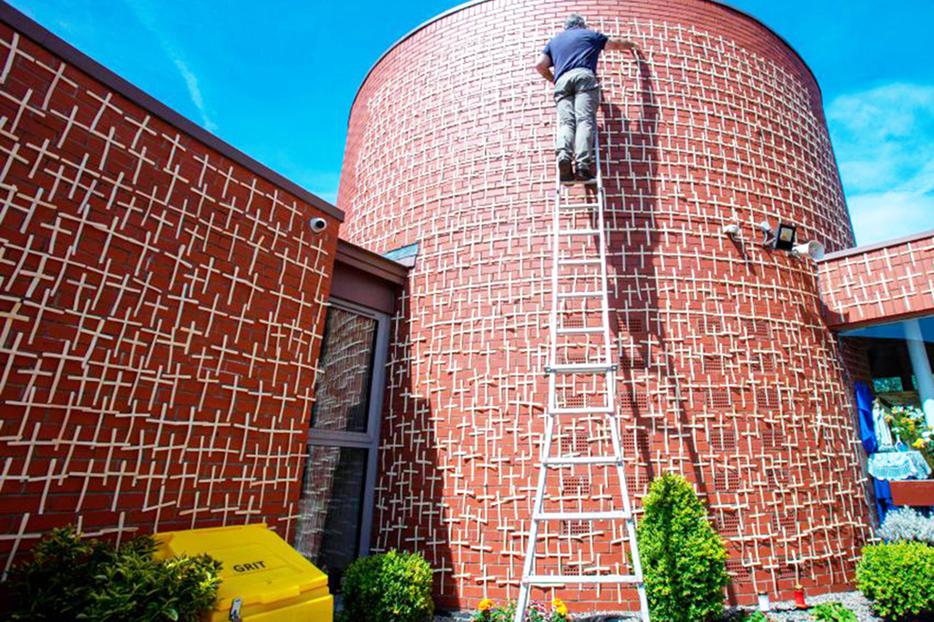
(575, 48)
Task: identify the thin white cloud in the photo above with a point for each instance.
(884, 140)
(145, 13)
(194, 91)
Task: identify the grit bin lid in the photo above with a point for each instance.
(271, 579)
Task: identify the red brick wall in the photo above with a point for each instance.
(161, 308)
(879, 283)
(728, 372)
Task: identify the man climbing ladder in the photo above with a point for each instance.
(579, 278)
(574, 54)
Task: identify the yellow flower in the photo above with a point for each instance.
(559, 607)
(485, 605)
(919, 444)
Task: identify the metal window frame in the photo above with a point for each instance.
(368, 440)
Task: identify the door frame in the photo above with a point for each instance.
(368, 440)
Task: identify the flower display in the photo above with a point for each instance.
(909, 425)
(488, 611)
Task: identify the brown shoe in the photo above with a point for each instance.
(564, 170)
(584, 173)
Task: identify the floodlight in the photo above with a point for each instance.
(785, 236)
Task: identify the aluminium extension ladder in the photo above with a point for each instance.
(605, 369)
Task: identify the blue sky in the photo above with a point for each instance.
(276, 79)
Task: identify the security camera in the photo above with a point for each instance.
(318, 224)
(731, 229)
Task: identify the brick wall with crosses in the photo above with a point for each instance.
(728, 373)
(162, 299)
(879, 283)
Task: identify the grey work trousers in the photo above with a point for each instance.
(577, 95)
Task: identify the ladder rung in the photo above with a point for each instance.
(579, 262)
(571, 368)
(608, 515)
(578, 231)
(579, 294)
(578, 205)
(595, 410)
(583, 330)
(558, 579)
(571, 460)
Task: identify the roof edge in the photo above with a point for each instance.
(371, 263)
(43, 37)
(868, 248)
(470, 3)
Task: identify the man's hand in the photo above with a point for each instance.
(543, 67)
(620, 45)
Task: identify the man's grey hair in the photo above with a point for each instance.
(574, 20)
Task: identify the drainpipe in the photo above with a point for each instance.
(921, 367)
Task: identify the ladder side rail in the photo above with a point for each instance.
(555, 297)
(528, 565)
(604, 282)
(612, 418)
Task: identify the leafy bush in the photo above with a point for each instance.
(757, 616)
(833, 612)
(899, 579)
(683, 559)
(487, 611)
(389, 586)
(907, 524)
(74, 579)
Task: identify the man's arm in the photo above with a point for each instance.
(543, 67)
(619, 45)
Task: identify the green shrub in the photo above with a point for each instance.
(833, 612)
(73, 579)
(683, 559)
(389, 586)
(757, 616)
(899, 578)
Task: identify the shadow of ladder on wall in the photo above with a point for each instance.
(587, 321)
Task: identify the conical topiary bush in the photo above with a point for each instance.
(683, 558)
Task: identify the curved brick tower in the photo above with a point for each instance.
(727, 371)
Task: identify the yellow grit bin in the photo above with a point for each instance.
(264, 579)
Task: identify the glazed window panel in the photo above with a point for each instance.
(342, 396)
(329, 521)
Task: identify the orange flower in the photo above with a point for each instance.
(485, 605)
